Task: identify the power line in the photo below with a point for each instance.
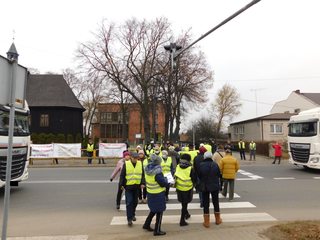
(271, 79)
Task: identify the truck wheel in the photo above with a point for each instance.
(305, 167)
(14, 184)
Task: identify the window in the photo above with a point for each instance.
(109, 116)
(276, 128)
(44, 120)
(103, 117)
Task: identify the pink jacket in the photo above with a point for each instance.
(118, 168)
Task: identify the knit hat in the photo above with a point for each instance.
(186, 157)
(126, 154)
(207, 155)
(171, 148)
(138, 147)
(141, 152)
(202, 149)
(228, 150)
(155, 159)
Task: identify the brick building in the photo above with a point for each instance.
(111, 127)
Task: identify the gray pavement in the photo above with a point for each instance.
(230, 231)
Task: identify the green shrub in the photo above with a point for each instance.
(70, 138)
(61, 138)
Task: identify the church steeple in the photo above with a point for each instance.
(12, 54)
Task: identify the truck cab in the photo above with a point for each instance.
(304, 139)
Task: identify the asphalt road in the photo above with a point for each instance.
(81, 201)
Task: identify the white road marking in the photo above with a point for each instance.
(316, 177)
(195, 196)
(176, 206)
(284, 178)
(250, 175)
(66, 181)
(198, 218)
(74, 237)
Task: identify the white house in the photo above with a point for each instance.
(297, 102)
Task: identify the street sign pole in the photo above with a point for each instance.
(9, 153)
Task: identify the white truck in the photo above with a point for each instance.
(21, 145)
(304, 139)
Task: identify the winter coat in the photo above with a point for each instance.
(209, 175)
(229, 166)
(277, 150)
(218, 155)
(157, 202)
(118, 168)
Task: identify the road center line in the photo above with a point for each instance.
(284, 178)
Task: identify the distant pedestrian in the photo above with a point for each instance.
(196, 166)
(143, 191)
(101, 159)
(185, 180)
(131, 179)
(209, 175)
(116, 171)
(90, 148)
(156, 185)
(242, 149)
(277, 152)
(167, 168)
(229, 166)
(217, 156)
(253, 149)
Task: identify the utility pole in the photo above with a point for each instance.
(255, 97)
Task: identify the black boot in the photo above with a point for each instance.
(147, 223)
(183, 218)
(157, 230)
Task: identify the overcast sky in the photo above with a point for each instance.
(267, 52)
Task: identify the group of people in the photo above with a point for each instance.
(147, 174)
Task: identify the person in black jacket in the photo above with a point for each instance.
(196, 165)
(209, 174)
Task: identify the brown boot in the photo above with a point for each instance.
(218, 218)
(206, 222)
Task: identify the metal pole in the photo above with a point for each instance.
(219, 25)
(9, 153)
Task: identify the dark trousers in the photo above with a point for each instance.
(142, 193)
(206, 201)
(253, 154)
(184, 212)
(89, 154)
(167, 191)
(275, 159)
(119, 195)
(101, 160)
(229, 182)
(242, 154)
(147, 223)
(131, 203)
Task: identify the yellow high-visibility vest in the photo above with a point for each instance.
(133, 174)
(242, 145)
(90, 147)
(145, 162)
(183, 179)
(208, 147)
(252, 146)
(152, 186)
(166, 165)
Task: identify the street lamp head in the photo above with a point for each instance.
(168, 48)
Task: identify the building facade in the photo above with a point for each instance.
(273, 127)
(53, 106)
(115, 126)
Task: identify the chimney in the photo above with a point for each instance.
(297, 91)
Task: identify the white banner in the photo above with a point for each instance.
(111, 149)
(67, 150)
(56, 150)
(41, 150)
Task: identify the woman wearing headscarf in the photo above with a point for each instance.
(156, 188)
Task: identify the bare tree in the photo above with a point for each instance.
(127, 56)
(76, 82)
(226, 106)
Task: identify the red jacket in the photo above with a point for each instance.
(277, 150)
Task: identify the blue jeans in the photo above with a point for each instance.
(131, 202)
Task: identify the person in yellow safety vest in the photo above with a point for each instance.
(185, 180)
(156, 186)
(208, 147)
(90, 148)
(190, 150)
(167, 167)
(131, 179)
(242, 149)
(148, 149)
(252, 148)
(157, 151)
(143, 192)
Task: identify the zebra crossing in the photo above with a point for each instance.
(172, 213)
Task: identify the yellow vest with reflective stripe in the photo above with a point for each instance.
(152, 186)
(193, 155)
(166, 165)
(252, 146)
(145, 162)
(183, 179)
(241, 145)
(90, 147)
(133, 174)
(208, 147)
